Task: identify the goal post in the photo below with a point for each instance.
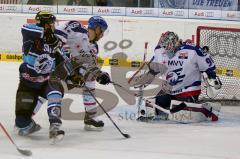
(224, 45)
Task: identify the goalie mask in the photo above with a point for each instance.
(170, 42)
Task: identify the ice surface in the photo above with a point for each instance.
(164, 140)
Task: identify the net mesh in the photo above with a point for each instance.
(224, 45)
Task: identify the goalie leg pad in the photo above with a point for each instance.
(194, 113)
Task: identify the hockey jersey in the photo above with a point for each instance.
(184, 69)
(75, 36)
(38, 57)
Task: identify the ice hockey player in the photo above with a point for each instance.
(39, 59)
(81, 40)
(185, 63)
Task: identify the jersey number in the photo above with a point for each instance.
(209, 61)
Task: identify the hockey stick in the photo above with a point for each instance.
(23, 152)
(171, 111)
(109, 117)
(139, 104)
(144, 63)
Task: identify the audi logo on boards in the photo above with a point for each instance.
(179, 13)
(50, 9)
(11, 8)
(209, 14)
(82, 10)
(148, 12)
(116, 10)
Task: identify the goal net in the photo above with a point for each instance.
(224, 45)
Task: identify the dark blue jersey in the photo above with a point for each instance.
(38, 57)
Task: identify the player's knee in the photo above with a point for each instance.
(25, 104)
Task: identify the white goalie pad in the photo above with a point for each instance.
(195, 113)
(146, 110)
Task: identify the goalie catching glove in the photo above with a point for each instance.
(213, 86)
(147, 78)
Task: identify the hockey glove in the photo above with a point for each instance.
(103, 78)
(217, 83)
(75, 80)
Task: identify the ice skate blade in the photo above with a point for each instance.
(57, 138)
(92, 128)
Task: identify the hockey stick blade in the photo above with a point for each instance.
(24, 152)
(178, 108)
(126, 136)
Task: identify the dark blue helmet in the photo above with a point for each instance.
(95, 21)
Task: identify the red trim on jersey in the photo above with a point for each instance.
(190, 93)
(88, 104)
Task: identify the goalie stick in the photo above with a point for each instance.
(140, 100)
(171, 111)
(141, 67)
(139, 104)
(23, 152)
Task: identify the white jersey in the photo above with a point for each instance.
(75, 36)
(184, 69)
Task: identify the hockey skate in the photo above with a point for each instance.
(55, 134)
(31, 128)
(91, 124)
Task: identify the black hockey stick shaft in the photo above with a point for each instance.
(109, 117)
(23, 152)
(174, 110)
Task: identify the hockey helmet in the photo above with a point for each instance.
(169, 41)
(44, 17)
(95, 21)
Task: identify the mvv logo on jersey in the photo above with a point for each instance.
(175, 63)
(174, 77)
